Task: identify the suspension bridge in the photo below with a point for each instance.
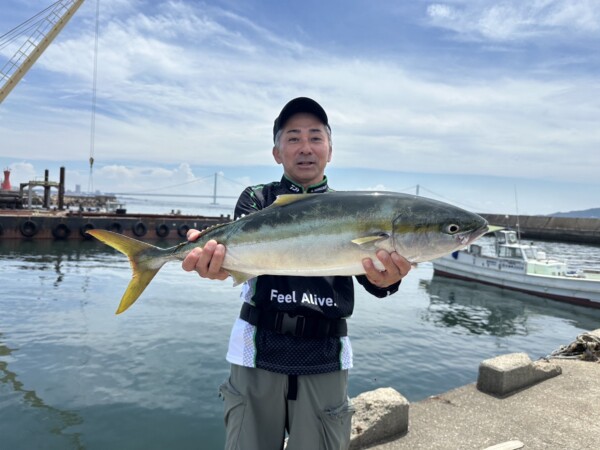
(233, 188)
(166, 191)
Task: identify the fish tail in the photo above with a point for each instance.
(142, 271)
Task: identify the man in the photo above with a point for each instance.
(290, 360)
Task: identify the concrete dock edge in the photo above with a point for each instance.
(541, 405)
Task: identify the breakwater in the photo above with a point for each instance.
(546, 228)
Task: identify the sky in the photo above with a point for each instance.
(488, 104)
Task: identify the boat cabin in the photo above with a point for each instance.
(508, 246)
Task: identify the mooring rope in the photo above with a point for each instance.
(585, 347)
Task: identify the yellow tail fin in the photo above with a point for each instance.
(142, 271)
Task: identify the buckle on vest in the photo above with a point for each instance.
(288, 324)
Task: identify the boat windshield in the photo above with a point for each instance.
(522, 252)
(530, 252)
(510, 252)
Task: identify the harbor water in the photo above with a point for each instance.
(73, 375)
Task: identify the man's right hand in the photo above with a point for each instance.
(206, 261)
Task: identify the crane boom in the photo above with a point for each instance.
(48, 28)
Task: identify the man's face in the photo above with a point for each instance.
(304, 149)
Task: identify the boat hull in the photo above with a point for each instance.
(512, 275)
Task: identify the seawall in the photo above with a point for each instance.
(559, 229)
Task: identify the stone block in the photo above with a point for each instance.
(380, 415)
(506, 374)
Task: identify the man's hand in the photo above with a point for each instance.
(206, 261)
(396, 268)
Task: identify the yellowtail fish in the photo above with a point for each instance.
(314, 235)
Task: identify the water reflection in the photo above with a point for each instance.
(73, 250)
(61, 419)
(487, 310)
(49, 256)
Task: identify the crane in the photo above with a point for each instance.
(46, 26)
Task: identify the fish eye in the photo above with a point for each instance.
(452, 228)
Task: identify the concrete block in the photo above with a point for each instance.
(380, 415)
(506, 374)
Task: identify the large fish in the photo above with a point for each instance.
(314, 235)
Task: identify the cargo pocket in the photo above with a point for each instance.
(336, 424)
(233, 406)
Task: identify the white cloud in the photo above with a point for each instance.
(515, 20)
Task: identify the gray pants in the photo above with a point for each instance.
(257, 411)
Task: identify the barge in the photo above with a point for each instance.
(43, 224)
(20, 219)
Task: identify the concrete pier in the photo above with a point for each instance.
(561, 410)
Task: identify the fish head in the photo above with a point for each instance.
(426, 229)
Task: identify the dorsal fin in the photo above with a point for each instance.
(212, 227)
(281, 200)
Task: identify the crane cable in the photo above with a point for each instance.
(94, 83)
(26, 27)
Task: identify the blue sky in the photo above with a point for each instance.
(473, 100)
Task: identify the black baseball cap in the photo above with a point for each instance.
(299, 105)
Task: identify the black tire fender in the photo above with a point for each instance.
(139, 229)
(83, 229)
(182, 230)
(28, 228)
(162, 230)
(61, 231)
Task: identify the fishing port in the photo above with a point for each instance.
(495, 347)
(514, 403)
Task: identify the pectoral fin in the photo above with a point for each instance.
(369, 239)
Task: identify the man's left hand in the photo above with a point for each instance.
(395, 268)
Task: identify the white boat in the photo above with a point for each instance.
(522, 267)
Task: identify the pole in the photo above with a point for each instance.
(215, 191)
(46, 189)
(61, 190)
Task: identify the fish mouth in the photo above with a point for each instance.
(466, 238)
